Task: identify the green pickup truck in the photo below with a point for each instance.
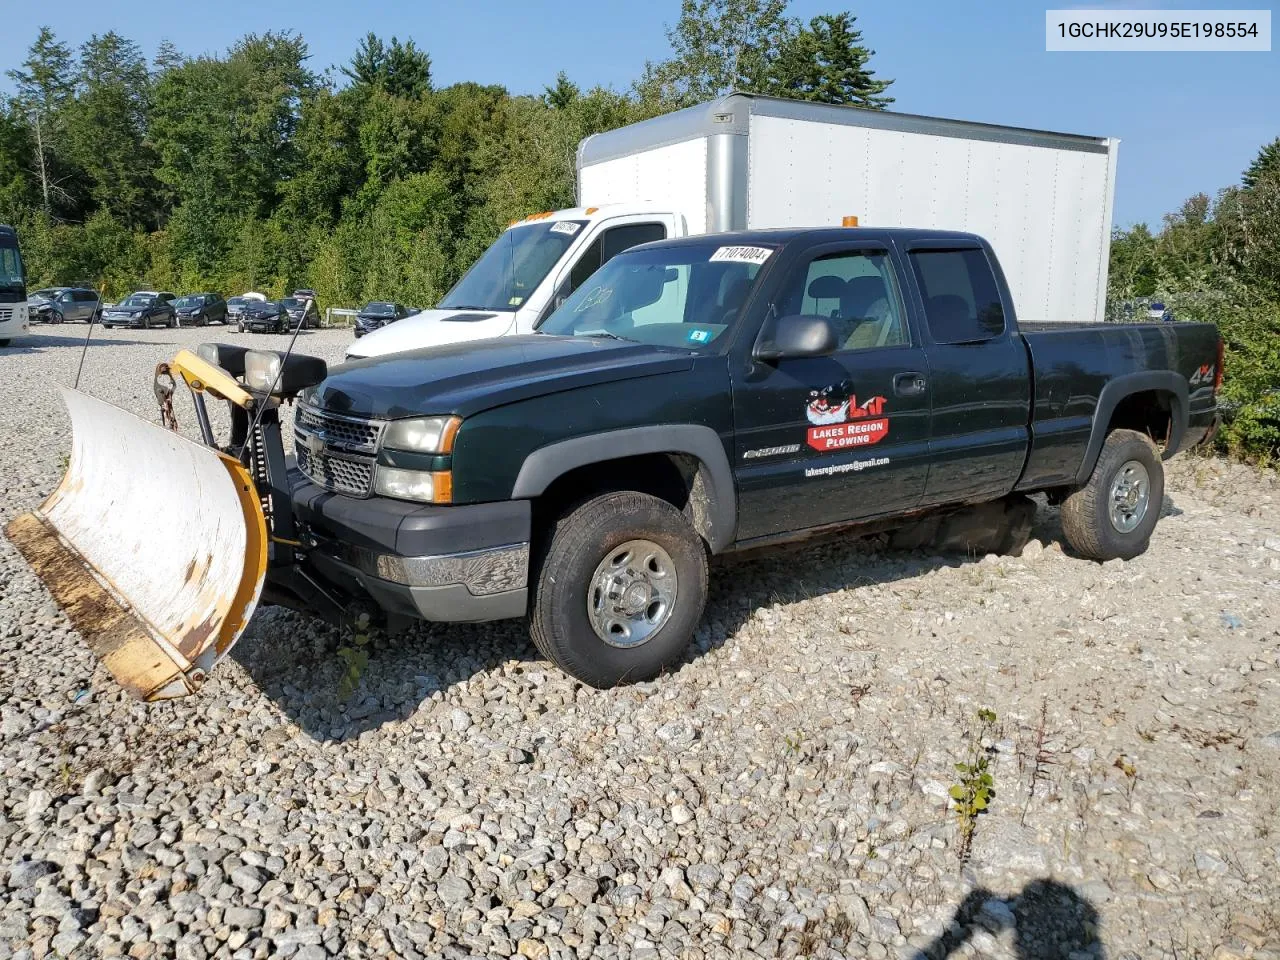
(705, 395)
(694, 396)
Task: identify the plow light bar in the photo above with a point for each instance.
(267, 371)
(228, 356)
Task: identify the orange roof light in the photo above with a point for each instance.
(590, 210)
(849, 222)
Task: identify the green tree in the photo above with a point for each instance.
(106, 129)
(562, 94)
(827, 62)
(718, 46)
(45, 86)
(400, 69)
(1267, 163)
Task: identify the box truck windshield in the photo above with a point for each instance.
(510, 270)
(12, 277)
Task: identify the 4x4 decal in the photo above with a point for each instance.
(841, 422)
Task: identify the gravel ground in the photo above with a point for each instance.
(784, 793)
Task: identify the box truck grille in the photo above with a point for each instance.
(6, 314)
(351, 477)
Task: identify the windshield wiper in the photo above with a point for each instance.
(605, 335)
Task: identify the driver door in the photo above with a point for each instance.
(839, 438)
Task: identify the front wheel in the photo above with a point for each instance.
(57, 317)
(619, 590)
(173, 321)
(1114, 514)
(146, 323)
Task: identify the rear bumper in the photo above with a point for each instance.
(439, 563)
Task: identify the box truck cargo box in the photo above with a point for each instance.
(1043, 200)
(744, 161)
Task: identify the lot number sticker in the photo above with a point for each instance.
(741, 255)
(565, 226)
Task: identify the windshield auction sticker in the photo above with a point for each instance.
(741, 255)
(565, 226)
(1237, 31)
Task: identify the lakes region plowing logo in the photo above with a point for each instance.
(840, 422)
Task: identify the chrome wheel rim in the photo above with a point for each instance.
(1130, 496)
(632, 593)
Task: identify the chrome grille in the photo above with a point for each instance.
(352, 477)
(345, 433)
(6, 314)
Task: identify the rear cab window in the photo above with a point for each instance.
(961, 298)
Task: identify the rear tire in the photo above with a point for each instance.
(627, 566)
(1114, 514)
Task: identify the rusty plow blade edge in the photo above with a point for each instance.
(153, 545)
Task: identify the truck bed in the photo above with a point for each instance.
(1075, 367)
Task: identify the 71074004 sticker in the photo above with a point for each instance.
(741, 255)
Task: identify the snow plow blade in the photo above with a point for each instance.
(153, 545)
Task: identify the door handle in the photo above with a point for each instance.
(910, 384)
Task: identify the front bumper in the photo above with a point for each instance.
(460, 563)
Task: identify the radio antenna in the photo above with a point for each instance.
(97, 314)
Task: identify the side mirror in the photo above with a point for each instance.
(799, 335)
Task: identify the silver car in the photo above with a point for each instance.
(56, 304)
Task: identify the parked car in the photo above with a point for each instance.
(56, 304)
(378, 314)
(302, 310)
(201, 309)
(143, 308)
(265, 316)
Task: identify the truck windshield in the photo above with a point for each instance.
(11, 274)
(678, 296)
(511, 269)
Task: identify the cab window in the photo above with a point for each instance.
(857, 292)
(961, 300)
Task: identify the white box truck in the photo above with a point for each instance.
(1043, 200)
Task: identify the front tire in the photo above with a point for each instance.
(619, 590)
(1114, 514)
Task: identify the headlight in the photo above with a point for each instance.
(422, 434)
(262, 369)
(419, 485)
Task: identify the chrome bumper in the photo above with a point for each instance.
(482, 572)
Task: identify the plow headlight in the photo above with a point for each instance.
(265, 369)
(422, 434)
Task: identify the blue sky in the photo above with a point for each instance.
(1188, 122)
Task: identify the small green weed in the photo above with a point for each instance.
(975, 787)
(355, 658)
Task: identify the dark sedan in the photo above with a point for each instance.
(146, 309)
(378, 314)
(201, 309)
(302, 311)
(265, 316)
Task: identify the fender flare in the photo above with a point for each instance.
(716, 524)
(1164, 381)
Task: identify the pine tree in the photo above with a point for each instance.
(400, 69)
(562, 94)
(827, 62)
(44, 88)
(1266, 164)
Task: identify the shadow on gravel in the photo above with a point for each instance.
(39, 342)
(1048, 919)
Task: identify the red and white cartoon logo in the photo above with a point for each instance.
(841, 422)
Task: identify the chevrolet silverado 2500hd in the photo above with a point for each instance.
(695, 396)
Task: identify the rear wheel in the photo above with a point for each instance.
(1114, 514)
(173, 320)
(619, 590)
